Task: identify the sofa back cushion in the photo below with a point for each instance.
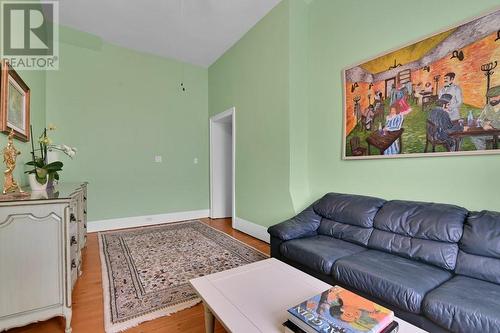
(427, 232)
(347, 217)
(479, 255)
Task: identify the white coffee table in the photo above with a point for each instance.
(255, 297)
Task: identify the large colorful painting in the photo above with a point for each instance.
(439, 96)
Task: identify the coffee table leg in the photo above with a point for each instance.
(209, 319)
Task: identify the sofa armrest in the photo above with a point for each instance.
(304, 224)
(275, 248)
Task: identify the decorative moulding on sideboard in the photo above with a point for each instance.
(252, 229)
(146, 220)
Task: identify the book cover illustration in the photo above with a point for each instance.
(338, 310)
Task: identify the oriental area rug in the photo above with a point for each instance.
(146, 271)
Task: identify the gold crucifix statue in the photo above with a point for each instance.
(9, 158)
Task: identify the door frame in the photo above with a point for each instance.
(230, 113)
(395, 84)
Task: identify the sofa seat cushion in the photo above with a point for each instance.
(464, 304)
(318, 252)
(395, 280)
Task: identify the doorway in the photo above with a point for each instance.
(222, 164)
(389, 84)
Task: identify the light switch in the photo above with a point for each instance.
(158, 159)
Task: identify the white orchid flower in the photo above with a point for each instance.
(70, 151)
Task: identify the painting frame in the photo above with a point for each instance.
(11, 82)
(346, 144)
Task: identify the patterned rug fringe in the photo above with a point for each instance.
(120, 327)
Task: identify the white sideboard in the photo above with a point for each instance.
(41, 239)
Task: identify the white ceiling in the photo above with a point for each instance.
(193, 31)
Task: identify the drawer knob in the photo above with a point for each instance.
(73, 264)
(72, 217)
(84, 211)
(73, 240)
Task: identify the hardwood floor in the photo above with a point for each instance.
(88, 313)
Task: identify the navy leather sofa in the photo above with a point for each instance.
(435, 265)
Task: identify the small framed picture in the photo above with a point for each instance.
(14, 103)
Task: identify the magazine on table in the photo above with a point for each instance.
(292, 328)
(338, 310)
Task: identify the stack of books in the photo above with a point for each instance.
(338, 310)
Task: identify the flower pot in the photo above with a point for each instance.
(35, 185)
(39, 195)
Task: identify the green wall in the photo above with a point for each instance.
(36, 82)
(120, 108)
(253, 76)
(284, 78)
(343, 33)
(299, 100)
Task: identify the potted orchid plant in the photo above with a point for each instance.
(44, 172)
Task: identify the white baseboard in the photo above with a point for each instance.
(140, 221)
(252, 229)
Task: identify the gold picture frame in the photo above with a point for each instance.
(14, 103)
